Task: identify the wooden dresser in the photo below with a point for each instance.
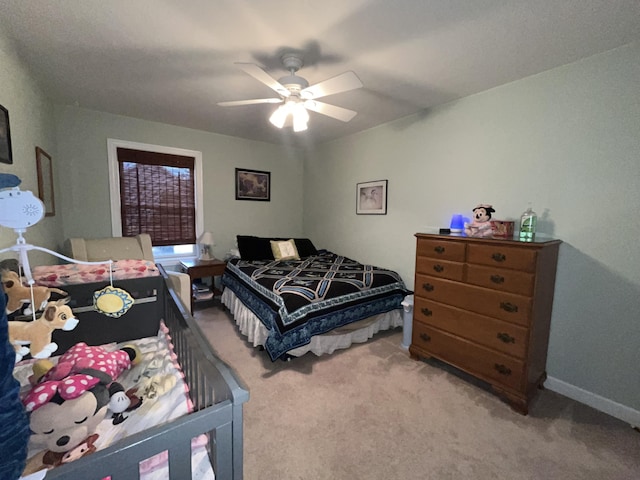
(484, 306)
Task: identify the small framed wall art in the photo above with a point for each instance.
(45, 181)
(371, 198)
(253, 185)
(5, 137)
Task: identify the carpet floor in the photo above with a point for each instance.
(371, 412)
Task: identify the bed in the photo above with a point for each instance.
(302, 299)
(204, 437)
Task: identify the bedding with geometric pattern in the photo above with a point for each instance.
(297, 299)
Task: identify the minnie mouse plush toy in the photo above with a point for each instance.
(480, 226)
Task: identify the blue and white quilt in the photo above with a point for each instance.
(296, 299)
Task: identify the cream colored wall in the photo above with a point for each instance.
(31, 125)
(84, 200)
(566, 140)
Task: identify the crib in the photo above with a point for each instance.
(215, 391)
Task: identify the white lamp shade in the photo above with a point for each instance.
(206, 239)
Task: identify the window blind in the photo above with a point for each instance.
(157, 196)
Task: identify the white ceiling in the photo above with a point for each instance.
(171, 61)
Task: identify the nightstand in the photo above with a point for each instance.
(197, 269)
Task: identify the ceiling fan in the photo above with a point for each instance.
(296, 96)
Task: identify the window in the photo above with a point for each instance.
(156, 190)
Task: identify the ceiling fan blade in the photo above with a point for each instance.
(342, 83)
(338, 113)
(235, 103)
(259, 74)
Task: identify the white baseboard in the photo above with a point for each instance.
(617, 410)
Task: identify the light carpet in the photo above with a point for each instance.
(371, 412)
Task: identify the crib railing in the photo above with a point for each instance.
(217, 396)
(211, 382)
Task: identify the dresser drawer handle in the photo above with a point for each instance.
(438, 268)
(426, 312)
(506, 338)
(439, 249)
(425, 337)
(502, 369)
(498, 257)
(497, 279)
(508, 307)
(428, 287)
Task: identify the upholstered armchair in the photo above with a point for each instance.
(125, 248)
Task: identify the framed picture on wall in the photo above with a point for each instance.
(253, 185)
(45, 181)
(5, 137)
(371, 198)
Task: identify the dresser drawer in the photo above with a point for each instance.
(441, 249)
(502, 336)
(502, 305)
(502, 256)
(440, 268)
(502, 279)
(468, 356)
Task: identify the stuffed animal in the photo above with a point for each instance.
(82, 356)
(480, 226)
(19, 294)
(122, 401)
(82, 450)
(63, 413)
(37, 333)
(47, 459)
(72, 398)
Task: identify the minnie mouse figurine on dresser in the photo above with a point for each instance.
(481, 225)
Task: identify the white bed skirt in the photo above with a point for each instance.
(342, 337)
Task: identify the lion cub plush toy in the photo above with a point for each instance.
(37, 333)
(18, 294)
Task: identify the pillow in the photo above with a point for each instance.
(259, 248)
(305, 247)
(254, 248)
(284, 250)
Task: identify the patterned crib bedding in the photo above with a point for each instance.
(74, 273)
(158, 381)
(297, 299)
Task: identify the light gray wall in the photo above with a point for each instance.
(566, 140)
(31, 125)
(84, 199)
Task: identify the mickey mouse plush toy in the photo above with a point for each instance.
(481, 225)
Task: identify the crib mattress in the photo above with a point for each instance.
(159, 382)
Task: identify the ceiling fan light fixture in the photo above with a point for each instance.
(279, 116)
(296, 96)
(300, 117)
(299, 123)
